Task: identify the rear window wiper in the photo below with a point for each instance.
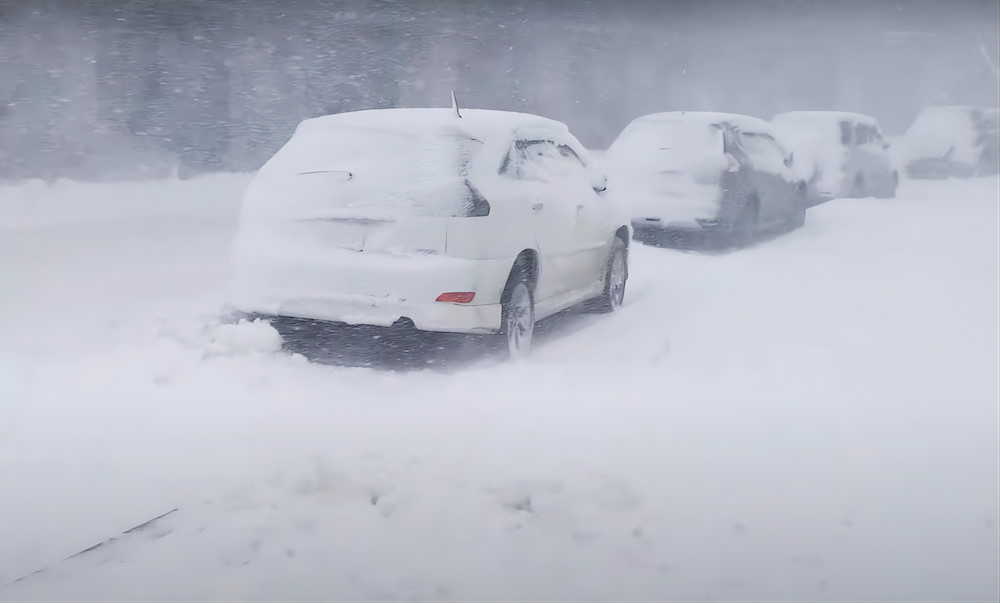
(349, 174)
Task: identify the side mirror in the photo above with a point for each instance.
(598, 181)
(788, 160)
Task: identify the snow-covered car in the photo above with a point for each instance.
(478, 222)
(698, 178)
(957, 142)
(839, 154)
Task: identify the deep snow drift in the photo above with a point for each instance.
(812, 418)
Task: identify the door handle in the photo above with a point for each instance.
(579, 208)
(537, 207)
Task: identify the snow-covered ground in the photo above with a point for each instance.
(814, 418)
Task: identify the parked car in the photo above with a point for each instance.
(958, 142)
(694, 179)
(478, 222)
(839, 154)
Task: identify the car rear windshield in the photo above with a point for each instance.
(676, 146)
(364, 172)
(763, 147)
(814, 129)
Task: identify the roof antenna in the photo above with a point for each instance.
(454, 104)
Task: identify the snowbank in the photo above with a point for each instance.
(810, 419)
(36, 204)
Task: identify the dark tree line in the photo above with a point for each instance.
(101, 89)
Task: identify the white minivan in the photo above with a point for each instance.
(470, 222)
(840, 154)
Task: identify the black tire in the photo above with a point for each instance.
(517, 316)
(615, 277)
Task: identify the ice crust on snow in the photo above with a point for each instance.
(244, 337)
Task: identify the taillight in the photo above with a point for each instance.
(458, 297)
(732, 164)
(476, 205)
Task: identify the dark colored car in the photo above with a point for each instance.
(693, 179)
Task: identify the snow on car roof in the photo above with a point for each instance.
(948, 130)
(476, 122)
(825, 116)
(743, 122)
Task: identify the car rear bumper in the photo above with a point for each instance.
(677, 235)
(934, 169)
(373, 289)
(692, 236)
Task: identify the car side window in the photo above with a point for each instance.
(520, 161)
(732, 145)
(765, 151)
(862, 134)
(570, 165)
(570, 154)
(845, 133)
(539, 161)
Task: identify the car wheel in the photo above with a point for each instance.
(518, 311)
(614, 278)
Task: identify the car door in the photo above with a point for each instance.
(772, 177)
(531, 163)
(851, 166)
(873, 153)
(592, 233)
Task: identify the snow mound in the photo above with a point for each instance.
(813, 418)
(244, 337)
(37, 204)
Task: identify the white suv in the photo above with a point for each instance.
(482, 222)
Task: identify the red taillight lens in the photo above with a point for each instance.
(462, 297)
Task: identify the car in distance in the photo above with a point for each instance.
(702, 179)
(952, 142)
(840, 154)
(468, 221)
